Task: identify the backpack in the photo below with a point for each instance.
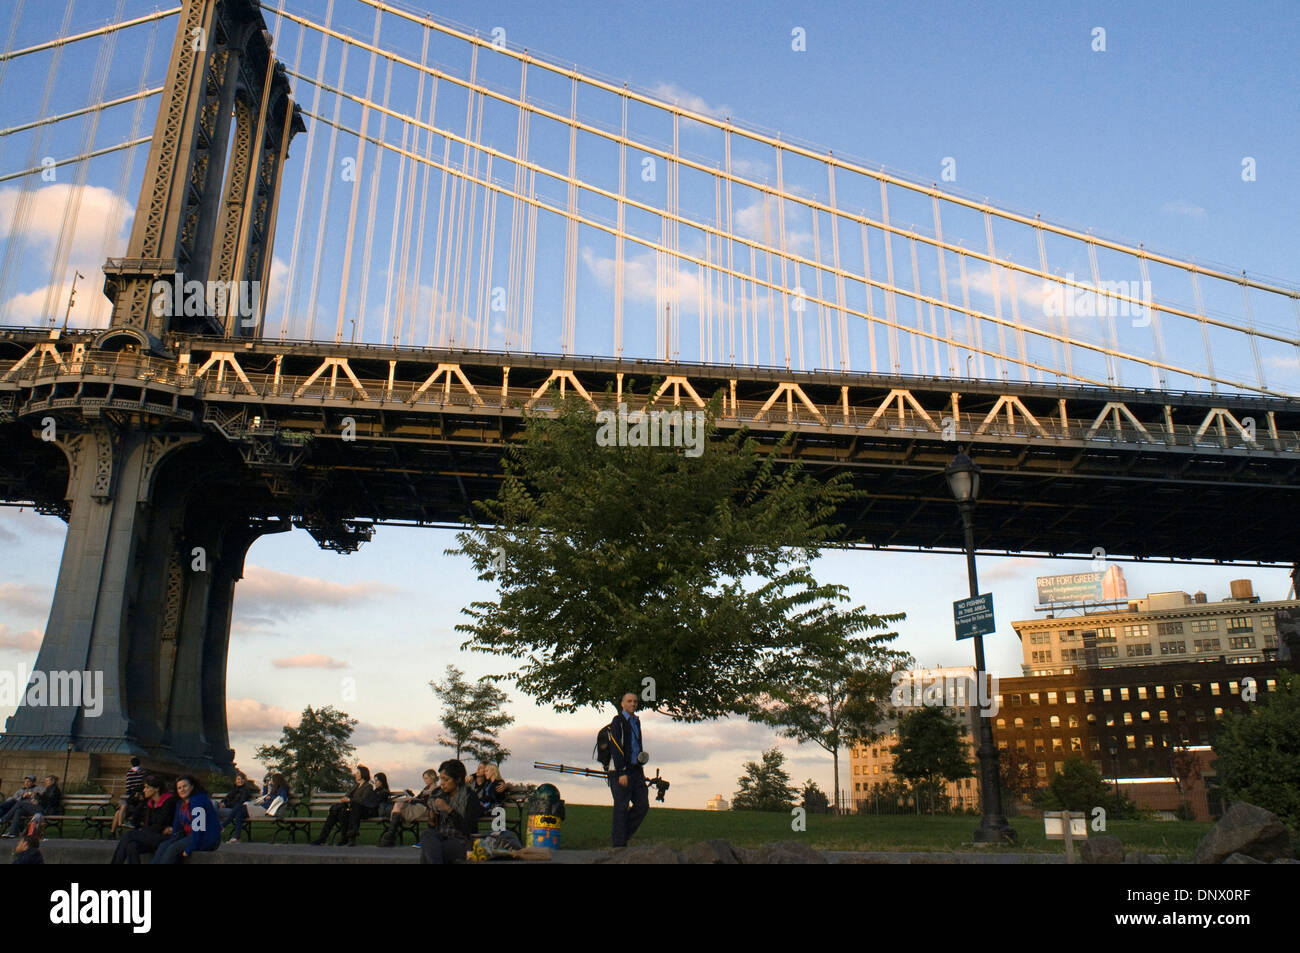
(603, 751)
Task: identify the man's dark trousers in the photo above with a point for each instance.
(634, 796)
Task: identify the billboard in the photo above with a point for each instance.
(1105, 586)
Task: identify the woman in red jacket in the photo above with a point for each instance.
(153, 817)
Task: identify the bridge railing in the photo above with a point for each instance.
(339, 390)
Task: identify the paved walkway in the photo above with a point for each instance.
(70, 851)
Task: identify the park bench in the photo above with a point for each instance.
(94, 811)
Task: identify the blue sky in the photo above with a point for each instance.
(1142, 142)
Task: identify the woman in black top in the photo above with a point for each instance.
(453, 817)
(153, 816)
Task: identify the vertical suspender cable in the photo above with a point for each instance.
(867, 290)
(618, 237)
(943, 291)
(891, 303)
(425, 171)
(358, 172)
(368, 243)
(306, 176)
(325, 199)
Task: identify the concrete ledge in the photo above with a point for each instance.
(69, 851)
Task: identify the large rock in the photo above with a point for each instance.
(644, 854)
(1141, 857)
(1106, 849)
(1241, 859)
(711, 852)
(785, 852)
(1245, 829)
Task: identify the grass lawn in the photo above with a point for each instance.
(588, 827)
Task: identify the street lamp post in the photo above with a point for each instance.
(964, 481)
(1114, 764)
(66, 761)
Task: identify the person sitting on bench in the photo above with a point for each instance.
(453, 817)
(152, 819)
(236, 797)
(47, 801)
(195, 826)
(408, 810)
(351, 810)
(489, 787)
(276, 787)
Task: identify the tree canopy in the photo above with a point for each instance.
(1259, 752)
(314, 755)
(765, 785)
(471, 716)
(617, 564)
(930, 748)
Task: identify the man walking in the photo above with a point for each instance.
(626, 778)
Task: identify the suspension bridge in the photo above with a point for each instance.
(366, 243)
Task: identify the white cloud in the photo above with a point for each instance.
(684, 99)
(28, 640)
(248, 716)
(23, 599)
(311, 660)
(1184, 207)
(266, 596)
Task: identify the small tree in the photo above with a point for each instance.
(1017, 772)
(930, 750)
(1079, 786)
(836, 694)
(765, 785)
(1259, 752)
(472, 716)
(814, 799)
(313, 756)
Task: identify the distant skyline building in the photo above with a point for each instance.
(1163, 627)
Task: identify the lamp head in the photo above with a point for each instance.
(963, 478)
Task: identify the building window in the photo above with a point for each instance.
(1145, 716)
(1205, 625)
(1041, 770)
(1206, 645)
(1218, 713)
(1160, 691)
(1214, 688)
(1020, 723)
(1074, 721)
(1131, 742)
(1055, 721)
(1038, 745)
(1123, 694)
(1087, 696)
(1265, 622)
(1242, 642)
(1128, 718)
(1106, 635)
(1021, 744)
(1108, 651)
(1051, 698)
(1038, 723)
(1002, 722)
(1092, 717)
(1070, 698)
(1033, 698)
(1143, 648)
(1270, 684)
(1043, 656)
(1164, 716)
(1015, 701)
(1173, 648)
(1169, 628)
(1142, 631)
(1110, 720)
(1105, 694)
(1142, 691)
(1070, 635)
(1076, 744)
(1232, 688)
(1240, 623)
(1057, 745)
(1148, 740)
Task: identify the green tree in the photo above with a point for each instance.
(1018, 774)
(814, 799)
(314, 755)
(1259, 752)
(930, 750)
(615, 564)
(471, 716)
(1079, 786)
(765, 785)
(838, 694)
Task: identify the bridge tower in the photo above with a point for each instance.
(156, 541)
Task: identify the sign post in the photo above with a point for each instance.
(974, 616)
